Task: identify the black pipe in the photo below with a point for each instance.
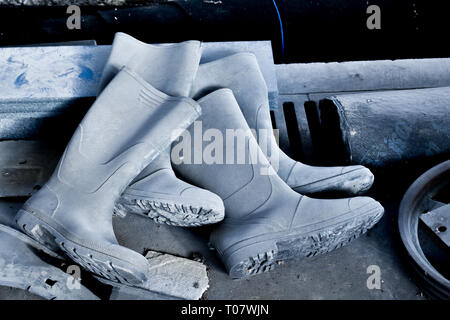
(387, 129)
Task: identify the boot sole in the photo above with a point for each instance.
(263, 256)
(341, 182)
(168, 212)
(89, 256)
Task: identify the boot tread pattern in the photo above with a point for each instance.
(304, 246)
(170, 213)
(93, 261)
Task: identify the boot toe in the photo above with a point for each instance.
(368, 203)
(351, 180)
(210, 199)
(180, 205)
(359, 179)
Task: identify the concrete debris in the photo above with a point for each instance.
(170, 277)
(176, 276)
(21, 267)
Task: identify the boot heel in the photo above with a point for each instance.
(35, 229)
(253, 259)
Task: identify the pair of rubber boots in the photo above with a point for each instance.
(159, 194)
(133, 121)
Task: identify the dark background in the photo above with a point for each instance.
(314, 30)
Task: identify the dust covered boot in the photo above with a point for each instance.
(157, 193)
(240, 73)
(126, 128)
(265, 220)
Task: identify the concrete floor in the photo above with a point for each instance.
(341, 274)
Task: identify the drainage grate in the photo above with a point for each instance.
(292, 127)
(272, 117)
(312, 116)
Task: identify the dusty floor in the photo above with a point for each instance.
(341, 274)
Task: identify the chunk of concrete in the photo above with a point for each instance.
(171, 278)
(39, 83)
(304, 78)
(177, 276)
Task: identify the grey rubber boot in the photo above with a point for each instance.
(170, 68)
(126, 128)
(157, 193)
(266, 221)
(240, 73)
(22, 267)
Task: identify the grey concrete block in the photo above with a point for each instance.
(171, 278)
(177, 276)
(37, 83)
(50, 73)
(303, 78)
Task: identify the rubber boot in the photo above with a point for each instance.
(170, 68)
(157, 193)
(266, 221)
(22, 267)
(126, 128)
(240, 73)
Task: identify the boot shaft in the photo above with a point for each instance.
(241, 73)
(126, 128)
(245, 187)
(170, 68)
